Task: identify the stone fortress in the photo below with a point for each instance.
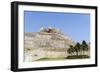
(47, 43)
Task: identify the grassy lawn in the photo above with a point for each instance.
(78, 57)
(50, 59)
(69, 57)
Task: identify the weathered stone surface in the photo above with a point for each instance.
(48, 42)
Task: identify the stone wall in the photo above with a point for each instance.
(47, 43)
(34, 55)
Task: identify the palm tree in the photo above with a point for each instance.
(81, 49)
(77, 48)
(84, 47)
(71, 50)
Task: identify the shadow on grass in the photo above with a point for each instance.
(69, 57)
(77, 57)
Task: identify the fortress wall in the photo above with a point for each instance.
(38, 54)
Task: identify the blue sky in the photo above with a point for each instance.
(75, 25)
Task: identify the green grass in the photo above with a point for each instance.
(50, 59)
(69, 57)
(77, 57)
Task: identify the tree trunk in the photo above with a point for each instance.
(77, 53)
